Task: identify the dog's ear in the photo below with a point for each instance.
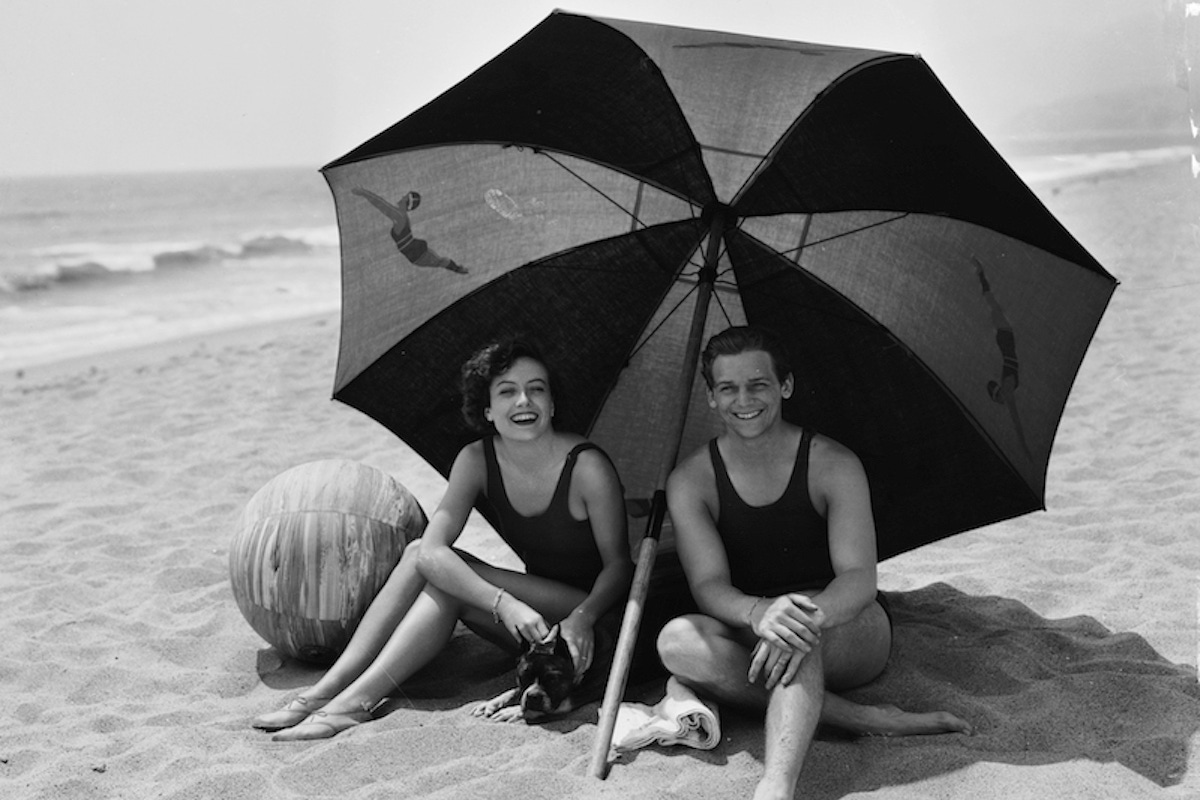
(546, 645)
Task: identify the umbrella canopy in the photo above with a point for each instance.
(599, 179)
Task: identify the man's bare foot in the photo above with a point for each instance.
(769, 789)
(893, 721)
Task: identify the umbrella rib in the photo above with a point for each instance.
(724, 312)
(800, 248)
(646, 339)
(716, 295)
(632, 214)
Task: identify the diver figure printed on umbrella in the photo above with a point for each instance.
(417, 251)
(1003, 391)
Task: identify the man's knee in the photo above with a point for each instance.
(855, 653)
(680, 641)
(674, 640)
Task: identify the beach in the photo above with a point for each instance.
(1068, 637)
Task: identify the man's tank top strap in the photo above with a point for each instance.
(799, 468)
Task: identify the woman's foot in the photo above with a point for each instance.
(322, 725)
(293, 713)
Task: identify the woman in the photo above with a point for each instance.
(558, 504)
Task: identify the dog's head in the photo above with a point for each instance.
(545, 677)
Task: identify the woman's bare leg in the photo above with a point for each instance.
(416, 638)
(419, 636)
(378, 624)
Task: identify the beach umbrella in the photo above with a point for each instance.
(623, 190)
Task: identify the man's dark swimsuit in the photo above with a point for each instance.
(780, 547)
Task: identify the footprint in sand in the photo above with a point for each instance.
(65, 475)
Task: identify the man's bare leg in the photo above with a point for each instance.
(714, 659)
(792, 715)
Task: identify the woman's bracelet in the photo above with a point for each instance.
(496, 607)
(750, 613)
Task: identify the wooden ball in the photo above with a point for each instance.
(314, 547)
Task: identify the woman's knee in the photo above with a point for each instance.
(408, 559)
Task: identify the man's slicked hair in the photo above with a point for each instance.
(743, 339)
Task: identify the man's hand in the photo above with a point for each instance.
(788, 629)
(777, 665)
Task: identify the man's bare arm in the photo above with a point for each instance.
(841, 487)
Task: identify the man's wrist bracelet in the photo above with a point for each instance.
(750, 613)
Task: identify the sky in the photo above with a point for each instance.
(93, 86)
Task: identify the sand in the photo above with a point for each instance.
(1069, 637)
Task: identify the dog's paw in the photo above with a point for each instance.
(492, 707)
(498, 712)
(508, 714)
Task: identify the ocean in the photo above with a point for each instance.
(91, 264)
(95, 263)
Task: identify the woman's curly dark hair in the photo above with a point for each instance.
(484, 366)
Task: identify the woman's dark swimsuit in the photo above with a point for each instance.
(552, 544)
(780, 547)
(555, 545)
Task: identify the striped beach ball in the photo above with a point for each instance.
(314, 547)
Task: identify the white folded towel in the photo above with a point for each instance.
(679, 718)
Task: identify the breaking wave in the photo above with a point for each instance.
(87, 261)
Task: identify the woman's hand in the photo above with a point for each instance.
(520, 620)
(576, 631)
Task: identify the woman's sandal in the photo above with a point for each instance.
(293, 713)
(323, 725)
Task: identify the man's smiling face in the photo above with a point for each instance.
(746, 392)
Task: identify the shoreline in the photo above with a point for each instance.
(134, 355)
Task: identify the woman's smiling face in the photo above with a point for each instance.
(519, 401)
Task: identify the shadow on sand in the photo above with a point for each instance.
(1038, 691)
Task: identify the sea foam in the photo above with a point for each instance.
(76, 261)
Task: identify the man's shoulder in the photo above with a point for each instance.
(824, 447)
(829, 457)
(694, 470)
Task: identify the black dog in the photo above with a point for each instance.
(547, 685)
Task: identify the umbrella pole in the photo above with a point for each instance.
(627, 639)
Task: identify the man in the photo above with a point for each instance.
(775, 533)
